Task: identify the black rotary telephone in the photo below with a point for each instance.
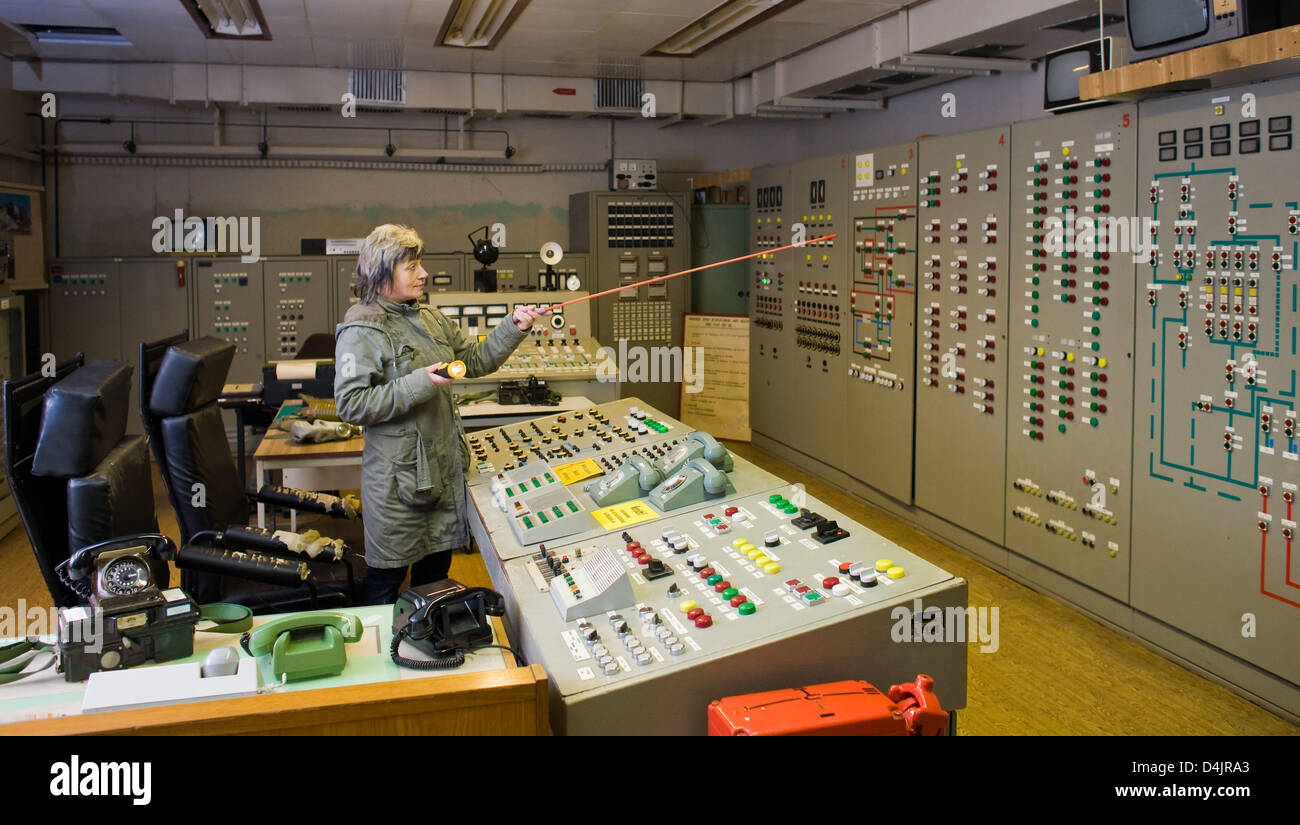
(444, 620)
(131, 616)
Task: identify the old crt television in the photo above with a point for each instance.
(1063, 68)
(1160, 27)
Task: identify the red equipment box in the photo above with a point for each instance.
(849, 708)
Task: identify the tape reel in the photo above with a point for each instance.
(552, 253)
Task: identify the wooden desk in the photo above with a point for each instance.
(332, 465)
(497, 699)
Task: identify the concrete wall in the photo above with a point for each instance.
(108, 209)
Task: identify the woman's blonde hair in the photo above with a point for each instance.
(384, 249)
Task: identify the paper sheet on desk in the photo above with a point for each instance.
(577, 471)
(619, 516)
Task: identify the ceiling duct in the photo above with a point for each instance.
(378, 85)
(619, 87)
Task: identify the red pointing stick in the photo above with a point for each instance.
(689, 271)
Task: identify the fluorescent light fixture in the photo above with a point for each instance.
(727, 20)
(77, 35)
(479, 24)
(225, 19)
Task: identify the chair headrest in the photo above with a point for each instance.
(83, 419)
(191, 376)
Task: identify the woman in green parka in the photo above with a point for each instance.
(412, 470)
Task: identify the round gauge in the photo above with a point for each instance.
(125, 576)
(557, 322)
(574, 283)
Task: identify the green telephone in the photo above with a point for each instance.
(305, 645)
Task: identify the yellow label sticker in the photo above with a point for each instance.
(620, 516)
(577, 471)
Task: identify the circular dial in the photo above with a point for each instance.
(574, 283)
(125, 576)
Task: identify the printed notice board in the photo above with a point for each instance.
(715, 393)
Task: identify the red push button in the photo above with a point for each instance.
(695, 613)
(706, 572)
(738, 600)
(721, 586)
(829, 582)
(731, 511)
(704, 621)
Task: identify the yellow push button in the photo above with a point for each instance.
(894, 572)
(739, 543)
(761, 560)
(883, 565)
(686, 606)
(772, 568)
(753, 552)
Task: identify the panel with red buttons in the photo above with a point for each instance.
(1070, 348)
(962, 398)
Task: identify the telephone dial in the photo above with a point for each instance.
(443, 620)
(130, 615)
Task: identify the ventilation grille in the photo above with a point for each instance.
(377, 85)
(619, 85)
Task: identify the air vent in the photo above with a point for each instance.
(619, 85)
(77, 35)
(377, 85)
(989, 50)
(303, 108)
(858, 91)
(900, 78)
(1087, 23)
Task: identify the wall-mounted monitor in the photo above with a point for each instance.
(1063, 68)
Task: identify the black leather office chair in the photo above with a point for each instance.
(180, 382)
(76, 477)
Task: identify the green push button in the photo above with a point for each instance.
(1061, 427)
(714, 579)
(774, 498)
(746, 609)
(729, 592)
(790, 509)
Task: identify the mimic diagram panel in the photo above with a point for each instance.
(85, 311)
(230, 301)
(771, 329)
(1215, 444)
(1073, 181)
(814, 376)
(296, 295)
(882, 333)
(962, 268)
